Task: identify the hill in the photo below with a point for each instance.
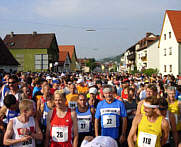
(111, 59)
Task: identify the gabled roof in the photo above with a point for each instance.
(29, 41)
(63, 55)
(175, 20)
(68, 48)
(6, 58)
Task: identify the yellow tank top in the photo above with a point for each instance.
(173, 107)
(149, 133)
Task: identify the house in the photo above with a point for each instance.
(131, 56)
(170, 43)
(82, 62)
(72, 53)
(142, 52)
(34, 52)
(7, 62)
(64, 62)
(153, 57)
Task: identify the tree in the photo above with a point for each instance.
(91, 64)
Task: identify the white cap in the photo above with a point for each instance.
(62, 75)
(93, 90)
(80, 81)
(48, 78)
(54, 78)
(100, 141)
(90, 84)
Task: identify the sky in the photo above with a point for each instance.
(118, 24)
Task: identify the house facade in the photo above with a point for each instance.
(142, 50)
(153, 55)
(170, 43)
(7, 62)
(64, 62)
(35, 52)
(72, 53)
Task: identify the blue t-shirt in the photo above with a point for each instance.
(110, 117)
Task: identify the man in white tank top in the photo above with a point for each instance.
(24, 129)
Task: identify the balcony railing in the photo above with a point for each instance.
(131, 57)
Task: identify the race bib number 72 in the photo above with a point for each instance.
(146, 140)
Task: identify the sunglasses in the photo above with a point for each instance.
(11, 82)
(162, 109)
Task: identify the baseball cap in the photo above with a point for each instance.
(93, 90)
(80, 81)
(102, 141)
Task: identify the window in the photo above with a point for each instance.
(165, 52)
(170, 35)
(164, 36)
(170, 68)
(165, 68)
(170, 51)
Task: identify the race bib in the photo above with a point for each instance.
(72, 104)
(60, 134)
(146, 140)
(27, 143)
(83, 126)
(109, 121)
(45, 114)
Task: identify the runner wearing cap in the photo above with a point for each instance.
(110, 111)
(152, 128)
(81, 88)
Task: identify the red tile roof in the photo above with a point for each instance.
(68, 48)
(29, 41)
(62, 56)
(6, 58)
(175, 20)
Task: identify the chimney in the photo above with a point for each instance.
(148, 34)
(12, 34)
(34, 33)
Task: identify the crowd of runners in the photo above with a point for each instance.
(89, 109)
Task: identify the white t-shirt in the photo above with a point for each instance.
(18, 128)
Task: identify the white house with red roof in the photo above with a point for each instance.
(64, 61)
(170, 43)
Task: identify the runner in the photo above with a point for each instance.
(85, 116)
(110, 111)
(152, 129)
(60, 123)
(72, 97)
(23, 130)
(151, 90)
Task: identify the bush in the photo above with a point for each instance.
(150, 71)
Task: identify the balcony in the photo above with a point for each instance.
(131, 57)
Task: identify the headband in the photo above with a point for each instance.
(150, 106)
(106, 90)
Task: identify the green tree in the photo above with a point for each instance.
(91, 63)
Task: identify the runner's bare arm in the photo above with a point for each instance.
(133, 130)
(47, 135)
(75, 127)
(8, 134)
(38, 134)
(124, 127)
(96, 127)
(165, 132)
(173, 127)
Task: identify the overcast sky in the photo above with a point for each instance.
(118, 23)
